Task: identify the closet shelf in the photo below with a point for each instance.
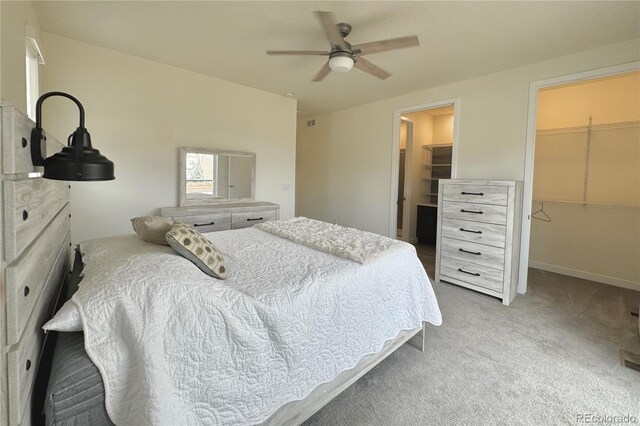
(441, 145)
(589, 203)
(429, 166)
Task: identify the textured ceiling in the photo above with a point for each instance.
(459, 40)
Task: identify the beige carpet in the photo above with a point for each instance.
(550, 357)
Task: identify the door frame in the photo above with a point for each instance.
(395, 153)
(527, 197)
(408, 171)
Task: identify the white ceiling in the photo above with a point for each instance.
(459, 40)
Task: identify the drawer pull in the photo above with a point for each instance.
(204, 224)
(28, 365)
(477, 253)
(468, 230)
(471, 211)
(475, 274)
(472, 193)
(26, 290)
(25, 215)
(251, 220)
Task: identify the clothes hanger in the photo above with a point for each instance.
(545, 217)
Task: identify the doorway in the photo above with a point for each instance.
(424, 153)
(586, 181)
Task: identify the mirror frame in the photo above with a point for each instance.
(204, 201)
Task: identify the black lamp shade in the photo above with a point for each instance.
(78, 161)
(92, 167)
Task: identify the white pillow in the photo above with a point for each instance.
(152, 229)
(66, 319)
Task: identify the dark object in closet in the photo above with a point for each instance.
(427, 221)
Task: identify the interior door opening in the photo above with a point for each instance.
(425, 155)
(585, 204)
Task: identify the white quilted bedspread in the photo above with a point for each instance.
(175, 346)
(340, 241)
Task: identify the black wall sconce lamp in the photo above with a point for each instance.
(78, 161)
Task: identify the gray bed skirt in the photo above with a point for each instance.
(75, 395)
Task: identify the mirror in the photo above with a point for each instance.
(213, 176)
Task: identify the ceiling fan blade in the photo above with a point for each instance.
(298, 52)
(322, 73)
(368, 67)
(384, 45)
(330, 30)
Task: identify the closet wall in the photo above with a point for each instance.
(587, 174)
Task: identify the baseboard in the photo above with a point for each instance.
(605, 279)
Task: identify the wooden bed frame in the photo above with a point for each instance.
(33, 275)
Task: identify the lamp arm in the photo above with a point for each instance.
(42, 98)
(37, 134)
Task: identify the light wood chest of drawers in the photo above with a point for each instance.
(222, 217)
(478, 239)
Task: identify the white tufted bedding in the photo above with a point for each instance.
(175, 346)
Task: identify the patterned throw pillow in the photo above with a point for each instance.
(193, 246)
(152, 229)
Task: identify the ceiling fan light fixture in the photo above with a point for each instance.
(341, 63)
(342, 55)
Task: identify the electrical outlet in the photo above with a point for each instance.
(286, 187)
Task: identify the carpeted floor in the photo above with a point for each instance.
(547, 359)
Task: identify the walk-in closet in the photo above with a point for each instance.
(586, 183)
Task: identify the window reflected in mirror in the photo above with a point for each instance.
(216, 176)
(201, 169)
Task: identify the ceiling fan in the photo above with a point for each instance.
(343, 56)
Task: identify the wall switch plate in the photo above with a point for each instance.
(286, 187)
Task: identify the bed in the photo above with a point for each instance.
(288, 320)
(317, 321)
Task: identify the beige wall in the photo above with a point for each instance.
(598, 243)
(139, 114)
(608, 100)
(344, 163)
(599, 240)
(403, 135)
(424, 127)
(443, 129)
(14, 17)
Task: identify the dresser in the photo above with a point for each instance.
(35, 220)
(478, 235)
(222, 217)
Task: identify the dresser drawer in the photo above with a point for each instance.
(482, 194)
(466, 251)
(476, 232)
(471, 273)
(210, 222)
(247, 219)
(488, 213)
(22, 365)
(27, 276)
